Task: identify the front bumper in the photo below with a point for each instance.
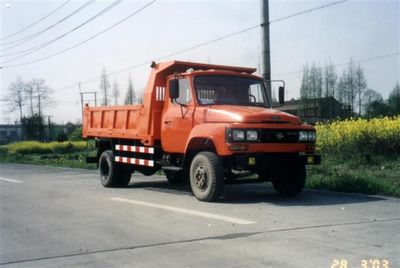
(257, 162)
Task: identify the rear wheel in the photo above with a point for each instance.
(290, 182)
(124, 174)
(113, 174)
(206, 176)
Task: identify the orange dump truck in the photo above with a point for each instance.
(207, 124)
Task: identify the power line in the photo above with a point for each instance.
(345, 63)
(306, 11)
(187, 49)
(162, 57)
(275, 75)
(84, 41)
(30, 37)
(34, 49)
(43, 18)
(204, 44)
(209, 42)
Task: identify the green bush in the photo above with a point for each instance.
(76, 135)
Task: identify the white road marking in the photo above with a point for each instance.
(185, 211)
(9, 180)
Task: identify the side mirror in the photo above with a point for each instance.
(174, 88)
(281, 95)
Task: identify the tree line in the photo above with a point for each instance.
(110, 94)
(350, 90)
(29, 99)
(34, 95)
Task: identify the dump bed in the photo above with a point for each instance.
(112, 121)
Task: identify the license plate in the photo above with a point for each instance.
(252, 161)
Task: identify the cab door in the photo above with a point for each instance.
(177, 119)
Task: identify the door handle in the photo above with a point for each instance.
(167, 122)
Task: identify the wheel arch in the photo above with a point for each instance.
(196, 145)
(102, 145)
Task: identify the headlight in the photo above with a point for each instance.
(251, 135)
(238, 135)
(311, 136)
(307, 136)
(303, 136)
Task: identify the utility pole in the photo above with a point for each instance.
(80, 93)
(48, 124)
(265, 53)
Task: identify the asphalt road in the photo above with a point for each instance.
(57, 217)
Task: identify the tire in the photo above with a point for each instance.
(206, 176)
(175, 177)
(290, 182)
(124, 174)
(111, 173)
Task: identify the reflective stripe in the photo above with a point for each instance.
(134, 161)
(135, 149)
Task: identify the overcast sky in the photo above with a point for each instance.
(357, 29)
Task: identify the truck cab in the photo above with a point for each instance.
(210, 125)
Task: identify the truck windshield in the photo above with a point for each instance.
(230, 90)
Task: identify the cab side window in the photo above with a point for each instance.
(184, 92)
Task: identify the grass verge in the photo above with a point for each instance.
(71, 160)
(65, 154)
(380, 175)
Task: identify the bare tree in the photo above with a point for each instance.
(394, 100)
(360, 85)
(15, 98)
(41, 92)
(115, 92)
(341, 89)
(347, 86)
(370, 96)
(104, 87)
(305, 90)
(130, 97)
(30, 93)
(351, 84)
(330, 80)
(315, 84)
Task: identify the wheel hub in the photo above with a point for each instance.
(201, 178)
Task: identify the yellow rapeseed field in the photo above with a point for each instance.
(379, 136)
(35, 147)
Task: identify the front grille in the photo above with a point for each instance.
(279, 136)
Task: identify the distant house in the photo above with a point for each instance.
(312, 111)
(10, 133)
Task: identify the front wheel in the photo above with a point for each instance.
(290, 182)
(206, 176)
